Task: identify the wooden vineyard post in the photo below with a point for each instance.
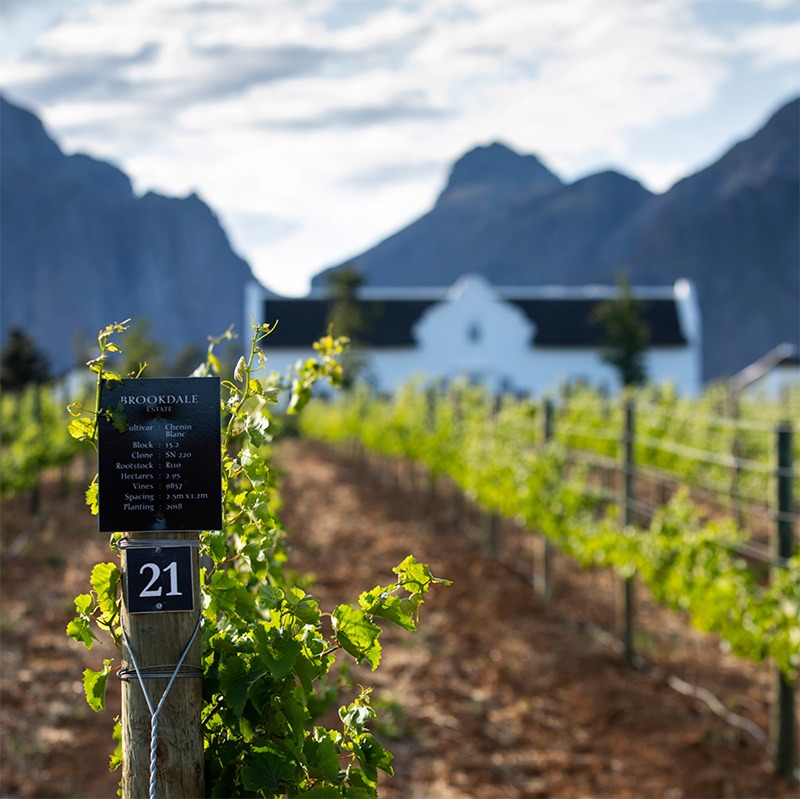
(491, 521)
(157, 641)
(36, 488)
(431, 401)
(160, 470)
(784, 706)
(457, 402)
(626, 495)
(736, 447)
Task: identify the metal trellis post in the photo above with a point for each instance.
(784, 714)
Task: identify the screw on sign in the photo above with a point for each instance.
(160, 472)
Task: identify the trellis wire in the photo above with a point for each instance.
(718, 493)
(688, 415)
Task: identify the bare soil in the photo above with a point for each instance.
(52, 744)
(497, 694)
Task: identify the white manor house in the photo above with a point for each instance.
(525, 339)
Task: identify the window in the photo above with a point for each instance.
(474, 333)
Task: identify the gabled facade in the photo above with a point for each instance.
(531, 339)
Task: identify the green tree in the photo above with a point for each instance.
(345, 313)
(626, 334)
(84, 347)
(22, 362)
(187, 360)
(349, 317)
(142, 349)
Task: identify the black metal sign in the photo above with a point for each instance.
(159, 579)
(160, 465)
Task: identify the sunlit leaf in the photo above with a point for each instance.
(94, 686)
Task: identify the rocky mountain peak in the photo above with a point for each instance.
(23, 139)
(496, 168)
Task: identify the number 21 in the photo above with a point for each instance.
(155, 572)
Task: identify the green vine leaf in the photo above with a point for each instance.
(94, 686)
(357, 715)
(115, 758)
(105, 580)
(357, 634)
(267, 773)
(234, 680)
(93, 497)
(117, 416)
(84, 603)
(372, 756)
(278, 651)
(322, 756)
(81, 428)
(80, 629)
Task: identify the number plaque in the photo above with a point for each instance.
(159, 579)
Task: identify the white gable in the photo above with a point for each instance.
(472, 332)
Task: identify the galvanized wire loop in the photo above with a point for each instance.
(141, 676)
(147, 543)
(160, 672)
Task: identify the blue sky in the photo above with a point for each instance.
(315, 128)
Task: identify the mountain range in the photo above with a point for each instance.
(79, 249)
(732, 228)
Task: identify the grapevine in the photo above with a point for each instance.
(501, 461)
(271, 656)
(34, 437)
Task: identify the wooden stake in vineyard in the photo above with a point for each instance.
(162, 656)
(160, 481)
(627, 620)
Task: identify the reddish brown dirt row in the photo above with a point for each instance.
(52, 745)
(499, 694)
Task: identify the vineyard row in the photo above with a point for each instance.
(633, 485)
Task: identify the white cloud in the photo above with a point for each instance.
(278, 111)
(772, 45)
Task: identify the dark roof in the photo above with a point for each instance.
(567, 322)
(560, 322)
(302, 321)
